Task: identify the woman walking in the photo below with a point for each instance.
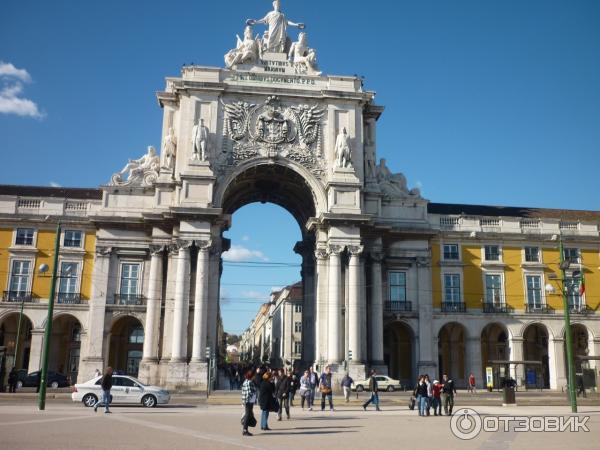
(283, 395)
(266, 399)
(248, 400)
(421, 394)
(305, 391)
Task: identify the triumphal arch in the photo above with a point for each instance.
(269, 126)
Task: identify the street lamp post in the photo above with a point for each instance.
(48, 330)
(564, 266)
(19, 331)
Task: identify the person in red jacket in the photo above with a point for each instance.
(437, 398)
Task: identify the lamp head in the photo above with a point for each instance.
(549, 289)
(43, 268)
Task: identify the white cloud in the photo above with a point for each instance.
(245, 238)
(238, 253)
(11, 101)
(54, 184)
(255, 295)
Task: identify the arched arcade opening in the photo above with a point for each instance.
(398, 352)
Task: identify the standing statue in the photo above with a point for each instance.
(277, 39)
(142, 171)
(343, 156)
(303, 57)
(170, 149)
(246, 51)
(200, 142)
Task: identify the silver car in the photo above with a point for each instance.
(125, 389)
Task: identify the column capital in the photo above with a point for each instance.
(203, 244)
(183, 244)
(102, 250)
(321, 253)
(356, 250)
(157, 249)
(333, 249)
(376, 256)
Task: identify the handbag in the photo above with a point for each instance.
(274, 405)
(251, 421)
(325, 390)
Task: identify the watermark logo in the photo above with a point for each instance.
(466, 424)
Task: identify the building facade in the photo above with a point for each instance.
(403, 284)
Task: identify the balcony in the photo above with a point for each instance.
(18, 297)
(495, 308)
(579, 309)
(68, 298)
(538, 309)
(397, 307)
(454, 307)
(127, 300)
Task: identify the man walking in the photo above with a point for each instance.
(313, 381)
(472, 389)
(448, 392)
(283, 395)
(374, 388)
(13, 379)
(347, 382)
(106, 385)
(326, 389)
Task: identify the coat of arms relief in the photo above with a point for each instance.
(273, 130)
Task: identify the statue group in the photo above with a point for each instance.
(275, 40)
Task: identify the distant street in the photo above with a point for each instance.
(71, 426)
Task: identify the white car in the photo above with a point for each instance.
(125, 389)
(384, 383)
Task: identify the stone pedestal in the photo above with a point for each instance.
(148, 371)
(177, 375)
(198, 375)
(359, 371)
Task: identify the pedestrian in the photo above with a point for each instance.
(314, 381)
(429, 392)
(437, 400)
(326, 389)
(347, 383)
(421, 395)
(374, 388)
(248, 400)
(471, 384)
(266, 399)
(97, 373)
(448, 392)
(283, 395)
(294, 382)
(13, 378)
(305, 390)
(580, 386)
(106, 385)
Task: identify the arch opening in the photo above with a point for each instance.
(535, 348)
(65, 346)
(398, 352)
(16, 343)
(494, 347)
(126, 345)
(451, 352)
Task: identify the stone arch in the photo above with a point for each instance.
(536, 336)
(495, 338)
(399, 351)
(125, 344)
(526, 325)
(284, 183)
(581, 337)
(452, 338)
(17, 340)
(65, 345)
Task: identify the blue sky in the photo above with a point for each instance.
(493, 102)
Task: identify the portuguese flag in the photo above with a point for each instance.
(582, 284)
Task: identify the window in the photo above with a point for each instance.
(298, 308)
(297, 347)
(73, 238)
(136, 336)
(397, 286)
(451, 288)
(572, 286)
(68, 278)
(532, 254)
(298, 327)
(572, 254)
(76, 333)
(492, 252)
(24, 236)
(133, 363)
(451, 252)
(130, 277)
(493, 289)
(19, 277)
(74, 360)
(534, 290)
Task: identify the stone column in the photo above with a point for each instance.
(201, 302)
(473, 359)
(356, 307)
(320, 304)
(152, 328)
(516, 354)
(376, 338)
(179, 352)
(334, 305)
(35, 351)
(428, 362)
(556, 363)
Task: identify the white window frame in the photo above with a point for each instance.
(492, 261)
(389, 285)
(296, 345)
(542, 286)
(458, 249)
(582, 300)
(79, 262)
(524, 253)
(298, 308)
(141, 276)
(502, 287)
(460, 287)
(33, 241)
(10, 271)
(578, 261)
(298, 327)
(64, 237)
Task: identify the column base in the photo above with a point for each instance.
(87, 368)
(198, 375)
(357, 371)
(177, 375)
(148, 371)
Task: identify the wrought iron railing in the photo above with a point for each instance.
(68, 298)
(395, 307)
(494, 308)
(17, 296)
(538, 309)
(127, 299)
(454, 307)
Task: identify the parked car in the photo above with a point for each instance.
(55, 379)
(125, 389)
(384, 382)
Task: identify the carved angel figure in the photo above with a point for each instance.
(246, 51)
(303, 57)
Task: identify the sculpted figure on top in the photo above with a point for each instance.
(393, 185)
(142, 171)
(303, 57)
(277, 39)
(246, 51)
